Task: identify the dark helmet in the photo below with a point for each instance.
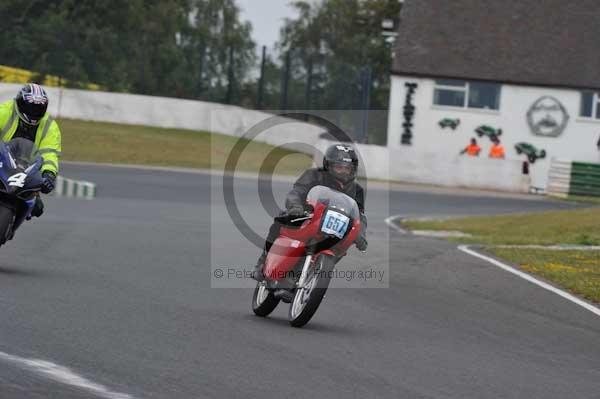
(344, 156)
(32, 103)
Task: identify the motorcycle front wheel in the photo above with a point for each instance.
(7, 217)
(308, 298)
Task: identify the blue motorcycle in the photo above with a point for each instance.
(20, 183)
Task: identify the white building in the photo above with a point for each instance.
(529, 68)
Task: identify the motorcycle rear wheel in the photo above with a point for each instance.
(308, 298)
(263, 300)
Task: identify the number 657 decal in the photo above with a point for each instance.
(17, 180)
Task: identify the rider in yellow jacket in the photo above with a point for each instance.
(26, 116)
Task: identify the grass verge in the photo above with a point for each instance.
(578, 227)
(116, 143)
(580, 198)
(577, 271)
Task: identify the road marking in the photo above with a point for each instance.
(554, 247)
(62, 375)
(390, 222)
(440, 233)
(531, 279)
(423, 233)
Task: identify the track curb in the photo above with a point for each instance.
(71, 188)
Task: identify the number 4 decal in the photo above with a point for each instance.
(17, 180)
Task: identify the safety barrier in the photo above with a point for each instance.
(559, 177)
(585, 179)
(70, 188)
(402, 163)
(573, 178)
(133, 109)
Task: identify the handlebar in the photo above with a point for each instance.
(287, 218)
(305, 217)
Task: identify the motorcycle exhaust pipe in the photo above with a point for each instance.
(285, 295)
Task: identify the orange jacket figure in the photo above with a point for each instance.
(497, 150)
(472, 149)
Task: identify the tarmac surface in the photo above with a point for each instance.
(121, 291)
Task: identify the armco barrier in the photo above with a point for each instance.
(69, 188)
(573, 178)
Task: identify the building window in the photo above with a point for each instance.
(589, 105)
(460, 93)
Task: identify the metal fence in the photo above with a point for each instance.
(298, 81)
(293, 80)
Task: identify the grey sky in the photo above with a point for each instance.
(266, 17)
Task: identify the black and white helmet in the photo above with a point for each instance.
(341, 162)
(32, 103)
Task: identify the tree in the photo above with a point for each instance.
(217, 32)
(159, 47)
(335, 44)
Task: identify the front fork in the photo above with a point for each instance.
(30, 204)
(304, 272)
(25, 215)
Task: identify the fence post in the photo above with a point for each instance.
(261, 81)
(60, 95)
(307, 94)
(230, 77)
(284, 82)
(366, 102)
(201, 70)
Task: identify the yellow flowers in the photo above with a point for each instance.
(577, 271)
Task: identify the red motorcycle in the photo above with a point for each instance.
(300, 263)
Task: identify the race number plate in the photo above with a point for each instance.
(335, 223)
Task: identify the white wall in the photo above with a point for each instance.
(404, 164)
(434, 145)
(432, 159)
(169, 113)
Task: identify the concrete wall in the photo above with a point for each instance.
(433, 159)
(169, 113)
(438, 148)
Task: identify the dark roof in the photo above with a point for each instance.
(537, 42)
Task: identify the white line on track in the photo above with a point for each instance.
(564, 294)
(554, 247)
(62, 375)
(390, 222)
(465, 248)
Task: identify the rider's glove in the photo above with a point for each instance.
(361, 243)
(49, 181)
(296, 210)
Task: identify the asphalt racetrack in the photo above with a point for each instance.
(116, 298)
